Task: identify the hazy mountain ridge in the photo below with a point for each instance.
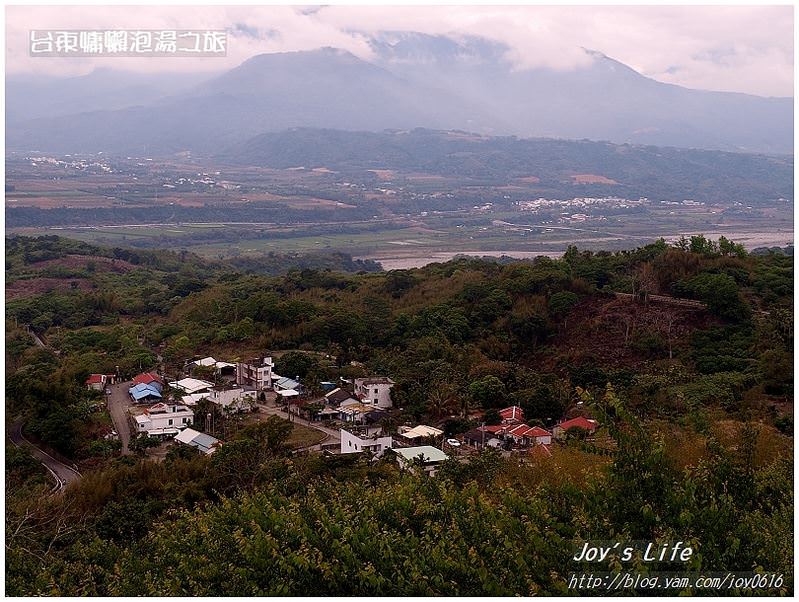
(635, 169)
(412, 81)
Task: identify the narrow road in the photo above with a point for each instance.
(118, 404)
(62, 473)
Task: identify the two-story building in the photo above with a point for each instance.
(164, 420)
(231, 396)
(364, 439)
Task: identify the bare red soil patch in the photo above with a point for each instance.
(81, 262)
(589, 178)
(606, 330)
(38, 286)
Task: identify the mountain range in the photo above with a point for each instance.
(412, 80)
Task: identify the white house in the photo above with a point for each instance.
(164, 420)
(374, 391)
(256, 373)
(355, 440)
(431, 458)
(419, 433)
(96, 382)
(191, 385)
(232, 396)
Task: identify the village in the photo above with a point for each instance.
(352, 416)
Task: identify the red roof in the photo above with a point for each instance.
(537, 431)
(146, 378)
(95, 379)
(580, 422)
(512, 413)
(492, 428)
(528, 431)
(519, 431)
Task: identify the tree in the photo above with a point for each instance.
(142, 443)
(488, 391)
(296, 364)
(560, 304)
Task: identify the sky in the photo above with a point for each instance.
(729, 48)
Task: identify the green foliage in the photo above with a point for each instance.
(561, 303)
(719, 292)
(296, 364)
(488, 392)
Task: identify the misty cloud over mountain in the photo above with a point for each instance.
(412, 80)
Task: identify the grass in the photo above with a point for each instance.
(304, 436)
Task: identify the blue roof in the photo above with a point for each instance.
(287, 383)
(142, 390)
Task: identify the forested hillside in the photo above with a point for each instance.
(695, 402)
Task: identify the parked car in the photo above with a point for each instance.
(453, 443)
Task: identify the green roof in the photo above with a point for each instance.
(431, 454)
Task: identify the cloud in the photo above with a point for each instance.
(731, 48)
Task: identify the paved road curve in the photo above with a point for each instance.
(118, 404)
(62, 473)
(331, 435)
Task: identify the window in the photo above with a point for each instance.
(170, 422)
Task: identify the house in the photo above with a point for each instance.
(284, 383)
(512, 415)
(288, 395)
(220, 368)
(375, 391)
(164, 420)
(191, 385)
(206, 362)
(418, 434)
(191, 400)
(149, 378)
(355, 412)
(338, 396)
(430, 458)
(580, 422)
(307, 408)
(364, 439)
(232, 396)
(479, 439)
(256, 373)
(96, 382)
(145, 393)
(206, 444)
(526, 436)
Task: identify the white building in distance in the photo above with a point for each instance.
(355, 440)
(164, 420)
(232, 396)
(374, 391)
(255, 373)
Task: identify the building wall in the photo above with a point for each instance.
(380, 393)
(230, 396)
(351, 443)
(258, 377)
(180, 419)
